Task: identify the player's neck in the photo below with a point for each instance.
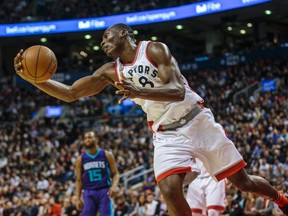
(92, 151)
(129, 54)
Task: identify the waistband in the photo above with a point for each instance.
(182, 121)
(97, 189)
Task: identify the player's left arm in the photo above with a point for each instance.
(115, 174)
(78, 184)
(169, 73)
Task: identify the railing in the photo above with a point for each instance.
(256, 93)
(127, 173)
(135, 176)
(246, 92)
(143, 174)
(253, 89)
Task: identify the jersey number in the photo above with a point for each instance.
(95, 175)
(144, 81)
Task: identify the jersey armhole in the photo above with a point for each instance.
(149, 59)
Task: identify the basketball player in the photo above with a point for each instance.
(183, 129)
(205, 196)
(93, 169)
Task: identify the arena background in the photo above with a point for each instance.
(235, 58)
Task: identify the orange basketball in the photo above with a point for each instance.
(39, 64)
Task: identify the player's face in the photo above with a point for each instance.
(90, 140)
(111, 41)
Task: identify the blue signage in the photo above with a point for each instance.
(268, 85)
(53, 111)
(137, 18)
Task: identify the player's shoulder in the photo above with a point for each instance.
(108, 154)
(79, 159)
(155, 46)
(157, 49)
(158, 52)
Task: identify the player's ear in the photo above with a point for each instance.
(123, 33)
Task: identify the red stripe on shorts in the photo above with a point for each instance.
(173, 171)
(196, 211)
(230, 171)
(215, 207)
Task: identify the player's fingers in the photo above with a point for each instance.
(122, 82)
(113, 195)
(79, 206)
(18, 65)
(118, 83)
(122, 99)
(19, 72)
(122, 92)
(109, 193)
(18, 68)
(125, 82)
(18, 56)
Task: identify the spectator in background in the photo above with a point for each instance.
(152, 206)
(55, 208)
(163, 206)
(249, 205)
(33, 207)
(263, 207)
(121, 206)
(141, 207)
(232, 206)
(131, 198)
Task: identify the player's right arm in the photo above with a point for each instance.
(83, 87)
(78, 184)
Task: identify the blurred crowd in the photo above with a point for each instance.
(44, 10)
(37, 155)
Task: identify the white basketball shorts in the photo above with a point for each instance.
(202, 138)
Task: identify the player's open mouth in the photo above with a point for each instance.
(105, 49)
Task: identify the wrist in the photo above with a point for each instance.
(114, 186)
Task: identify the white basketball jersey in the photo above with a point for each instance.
(144, 73)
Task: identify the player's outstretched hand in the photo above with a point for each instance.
(17, 63)
(79, 204)
(127, 89)
(112, 192)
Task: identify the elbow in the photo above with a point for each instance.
(71, 96)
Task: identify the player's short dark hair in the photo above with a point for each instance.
(90, 131)
(122, 26)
